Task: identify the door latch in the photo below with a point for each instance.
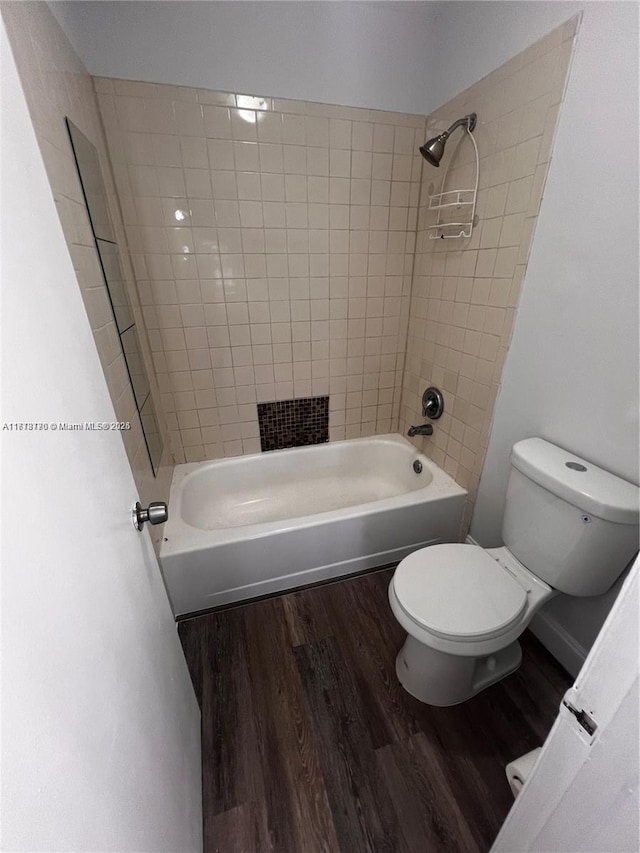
(584, 720)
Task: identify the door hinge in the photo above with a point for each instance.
(587, 723)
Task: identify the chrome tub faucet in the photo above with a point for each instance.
(423, 429)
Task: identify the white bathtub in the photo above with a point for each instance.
(252, 525)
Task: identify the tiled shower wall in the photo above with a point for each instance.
(465, 292)
(56, 85)
(273, 245)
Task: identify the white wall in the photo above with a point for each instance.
(571, 375)
(365, 54)
(403, 56)
(473, 38)
(100, 725)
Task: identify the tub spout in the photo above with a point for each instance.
(423, 429)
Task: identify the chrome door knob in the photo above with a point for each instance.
(156, 513)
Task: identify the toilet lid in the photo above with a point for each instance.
(458, 591)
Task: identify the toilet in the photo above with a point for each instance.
(568, 527)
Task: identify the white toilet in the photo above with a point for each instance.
(568, 527)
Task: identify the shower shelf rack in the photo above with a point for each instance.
(454, 199)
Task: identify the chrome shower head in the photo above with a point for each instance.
(433, 149)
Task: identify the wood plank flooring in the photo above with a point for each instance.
(310, 744)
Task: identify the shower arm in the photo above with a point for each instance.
(469, 121)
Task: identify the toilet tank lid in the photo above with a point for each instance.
(577, 481)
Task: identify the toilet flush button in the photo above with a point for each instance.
(575, 466)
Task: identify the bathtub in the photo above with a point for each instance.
(254, 525)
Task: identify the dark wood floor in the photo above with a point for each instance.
(310, 744)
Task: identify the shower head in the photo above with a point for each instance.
(433, 149)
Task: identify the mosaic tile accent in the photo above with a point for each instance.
(293, 423)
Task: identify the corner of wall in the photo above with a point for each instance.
(465, 292)
(55, 87)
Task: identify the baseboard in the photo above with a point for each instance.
(554, 638)
(559, 642)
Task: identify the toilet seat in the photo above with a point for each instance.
(458, 593)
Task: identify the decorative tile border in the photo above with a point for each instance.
(293, 423)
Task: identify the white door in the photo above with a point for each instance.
(582, 795)
(100, 725)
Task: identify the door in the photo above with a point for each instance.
(100, 725)
(582, 795)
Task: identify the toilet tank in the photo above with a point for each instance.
(569, 522)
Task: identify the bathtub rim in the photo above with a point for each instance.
(179, 537)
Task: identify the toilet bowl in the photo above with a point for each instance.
(568, 527)
(463, 608)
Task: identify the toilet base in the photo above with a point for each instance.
(440, 679)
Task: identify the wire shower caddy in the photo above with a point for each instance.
(453, 200)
